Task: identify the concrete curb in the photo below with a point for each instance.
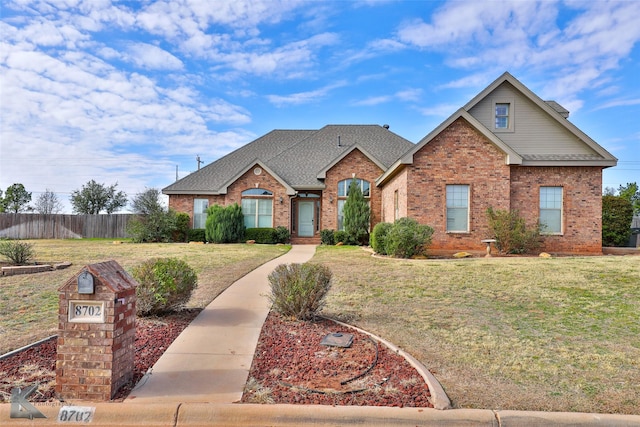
(205, 414)
(439, 398)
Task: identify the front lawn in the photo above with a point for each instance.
(29, 303)
(560, 334)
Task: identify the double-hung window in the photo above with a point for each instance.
(551, 209)
(257, 208)
(502, 115)
(457, 208)
(200, 212)
(343, 193)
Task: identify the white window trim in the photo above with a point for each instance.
(512, 114)
(553, 233)
(256, 215)
(446, 225)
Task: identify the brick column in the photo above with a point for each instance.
(96, 333)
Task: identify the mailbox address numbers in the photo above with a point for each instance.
(86, 311)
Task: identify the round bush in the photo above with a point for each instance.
(299, 290)
(164, 284)
(408, 238)
(379, 237)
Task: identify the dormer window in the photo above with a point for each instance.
(502, 116)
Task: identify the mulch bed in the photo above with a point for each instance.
(290, 365)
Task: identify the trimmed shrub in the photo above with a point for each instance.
(617, 215)
(379, 237)
(407, 238)
(262, 235)
(17, 252)
(164, 284)
(282, 234)
(299, 290)
(326, 237)
(181, 232)
(197, 235)
(511, 232)
(341, 237)
(225, 224)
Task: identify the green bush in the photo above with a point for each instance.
(326, 237)
(261, 235)
(164, 284)
(282, 234)
(379, 237)
(341, 236)
(225, 224)
(299, 290)
(511, 232)
(617, 215)
(17, 252)
(197, 235)
(407, 238)
(357, 215)
(181, 232)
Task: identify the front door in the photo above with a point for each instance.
(305, 219)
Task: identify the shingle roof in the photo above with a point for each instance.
(296, 156)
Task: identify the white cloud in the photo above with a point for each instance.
(304, 97)
(152, 57)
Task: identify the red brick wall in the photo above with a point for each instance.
(458, 155)
(184, 203)
(264, 180)
(358, 163)
(397, 183)
(582, 204)
(95, 359)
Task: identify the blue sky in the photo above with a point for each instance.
(126, 91)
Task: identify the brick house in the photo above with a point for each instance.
(506, 149)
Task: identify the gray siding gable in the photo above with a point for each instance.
(540, 131)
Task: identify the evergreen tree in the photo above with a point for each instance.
(16, 199)
(357, 214)
(224, 224)
(94, 198)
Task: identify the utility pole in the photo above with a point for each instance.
(199, 161)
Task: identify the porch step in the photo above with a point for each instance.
(305, 240)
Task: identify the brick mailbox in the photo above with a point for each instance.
(97, 331)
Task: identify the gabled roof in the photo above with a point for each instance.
(555, 112)
(511, 157)
(299, 159)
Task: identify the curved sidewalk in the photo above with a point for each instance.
(209, 362)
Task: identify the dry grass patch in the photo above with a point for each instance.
(560, 334)
(29, 303)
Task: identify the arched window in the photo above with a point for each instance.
(343, 193)
(257, 208)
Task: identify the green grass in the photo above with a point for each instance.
(559, 334)
(29, 303)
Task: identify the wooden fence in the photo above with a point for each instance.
(38, 226)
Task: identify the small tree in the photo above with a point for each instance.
(48, 203)
(153, 222)
(631, 192)
(16, 199)
(511, 232)
(617, 214)
(93, 198)
(224, 224)
(357, 214)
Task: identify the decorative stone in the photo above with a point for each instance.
(462, 255)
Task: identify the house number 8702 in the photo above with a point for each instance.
(88, 311)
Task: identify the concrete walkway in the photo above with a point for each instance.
(209, 362)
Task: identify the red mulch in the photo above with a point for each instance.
(290, 365)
